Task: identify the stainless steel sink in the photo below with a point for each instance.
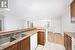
(12, 38)
(17, 36)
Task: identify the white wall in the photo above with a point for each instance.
(56, 24)
(36, 11)
(66, 23)
(67, 26)
(13, 23)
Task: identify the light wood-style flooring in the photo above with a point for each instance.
(56, 38)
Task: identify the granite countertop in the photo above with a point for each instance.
(71, 34)
(28, 33)
(2, 33)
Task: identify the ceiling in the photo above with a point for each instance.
(38, 9)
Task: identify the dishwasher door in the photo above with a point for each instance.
(73, 43)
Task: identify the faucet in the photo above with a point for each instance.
(11, 37)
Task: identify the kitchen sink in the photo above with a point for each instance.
(12, 38)
(17, 36)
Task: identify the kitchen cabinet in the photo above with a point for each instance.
(73, 11)
(25, 44)
(67, 42)
(22, 45)
(19, 46)
(41, 38)
(13, 47)
(33, 42)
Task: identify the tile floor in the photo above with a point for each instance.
(51, 46)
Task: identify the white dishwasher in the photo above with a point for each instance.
(33, 42)
(73, 43)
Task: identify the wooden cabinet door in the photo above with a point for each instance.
(22, 45)
(13, 47)
(19, 46)
(67, 42)
(25, 44)
(41, 38)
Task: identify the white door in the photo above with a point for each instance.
(33, 41)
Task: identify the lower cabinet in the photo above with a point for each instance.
(13, 47)
(19, 46)
(33, 42)
(22, 45)
(67, 42)
(29, 43)
(25, 44)
(41, 38)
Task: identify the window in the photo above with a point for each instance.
(3, 3)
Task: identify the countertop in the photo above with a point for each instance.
(71, 34)
(2, 33)
(28, 33)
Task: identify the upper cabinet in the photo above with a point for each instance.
(73, 11)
